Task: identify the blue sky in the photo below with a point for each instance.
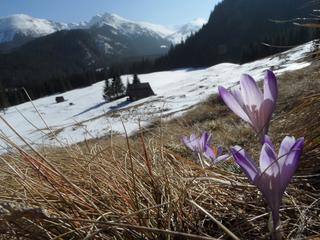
(167, 12)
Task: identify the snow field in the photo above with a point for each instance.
(85, 115)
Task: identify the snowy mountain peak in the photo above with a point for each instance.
(198, 22)
(127, 26)
(27, 26)
(160, 29)
(184, 31)
(107, 19)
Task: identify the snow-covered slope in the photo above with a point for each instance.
(85, 115)
(21, 25)
(119, 37)
(160, 29)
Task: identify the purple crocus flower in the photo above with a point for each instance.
(275, 171)
(201, 145)
(197, 144)
(250, 104)
(215, 154)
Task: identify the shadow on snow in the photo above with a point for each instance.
(112, 108)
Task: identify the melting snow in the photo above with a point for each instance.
(85, 115)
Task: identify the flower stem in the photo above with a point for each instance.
(275, 229)
(200, 159)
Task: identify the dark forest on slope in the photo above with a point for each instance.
(47, 65)
(236, 30)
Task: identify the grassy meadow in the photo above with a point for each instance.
(150, 186)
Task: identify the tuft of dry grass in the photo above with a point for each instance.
(149, 187)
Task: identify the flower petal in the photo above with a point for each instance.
(186, 141)
(289, 162)
(233, 104)
(245, 162)
(209, 153)
(194, 142)
(267, 140)
(204, 141)
(270, 189)
(270, 86)
(286, 145)
(221, 158)
(268, 161)
(193, 137)
(219, 150)
(265, 115)
(251, 94)
(236, 92)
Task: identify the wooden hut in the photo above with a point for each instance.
(137, 90)
(59, 99)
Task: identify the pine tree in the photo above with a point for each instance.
(117, 86)
(3, 98)
(115, 90)
(136, 80)
(106, 90)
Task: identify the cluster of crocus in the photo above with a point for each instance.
(202, 147)
(275, 171)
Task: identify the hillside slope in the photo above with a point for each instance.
(85, 114)
(57, 54)
(122, 38)
(236, 30)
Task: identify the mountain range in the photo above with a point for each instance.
(46, 57)
(18, 29)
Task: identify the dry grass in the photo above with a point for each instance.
(149, 187)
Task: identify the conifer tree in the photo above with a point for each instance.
(114, 90)
(117, 86)
(3, 98)
(106, 90)
(136, 79)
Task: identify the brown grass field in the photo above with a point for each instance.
(149, 186)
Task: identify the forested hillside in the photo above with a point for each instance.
(54, 63)
(237, 30)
